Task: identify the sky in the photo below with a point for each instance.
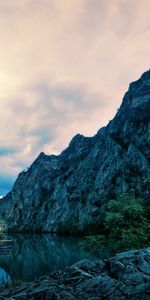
(64, 68)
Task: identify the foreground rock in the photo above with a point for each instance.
(124, 276)
(68, 192)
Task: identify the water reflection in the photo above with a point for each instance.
(33, 256)
(5, 279)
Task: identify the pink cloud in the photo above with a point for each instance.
(62, 61)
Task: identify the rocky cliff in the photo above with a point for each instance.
(68, 192)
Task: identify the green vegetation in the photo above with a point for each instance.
(126, 226)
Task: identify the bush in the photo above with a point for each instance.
(126, 222)
(126, 225)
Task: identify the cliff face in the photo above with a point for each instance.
(68, 192)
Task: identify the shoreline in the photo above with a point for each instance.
(126, 275)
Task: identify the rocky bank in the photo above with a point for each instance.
(68, 192)
(124, 276)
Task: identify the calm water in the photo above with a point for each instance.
(33, 256)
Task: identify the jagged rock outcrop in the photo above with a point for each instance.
(124, 276)
(68, 192)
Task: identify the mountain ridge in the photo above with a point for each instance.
(69, 191)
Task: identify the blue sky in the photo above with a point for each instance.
(65, 65)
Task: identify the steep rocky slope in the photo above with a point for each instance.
(68, 192)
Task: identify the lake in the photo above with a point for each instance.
(35, 255)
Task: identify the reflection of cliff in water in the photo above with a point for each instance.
(36, 255)
(5, 279)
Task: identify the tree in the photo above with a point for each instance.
(125, 222)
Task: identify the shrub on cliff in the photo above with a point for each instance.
(126, 222)
(126, 225)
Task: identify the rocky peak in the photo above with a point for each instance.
(141, 83)
(134, 112)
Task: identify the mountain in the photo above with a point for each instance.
(69, 192)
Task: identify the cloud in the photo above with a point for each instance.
(65, 66)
